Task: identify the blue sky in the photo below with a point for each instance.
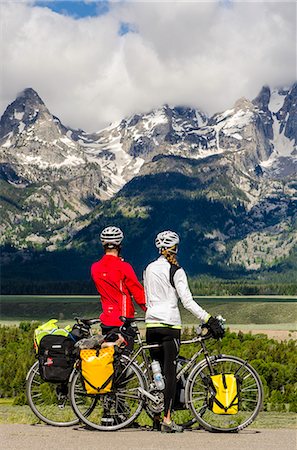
(90, 8)
(82, 9)
(77, 9)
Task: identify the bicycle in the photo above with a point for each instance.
(50, 401)
(134, 390)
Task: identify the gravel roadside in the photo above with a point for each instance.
(42, 437)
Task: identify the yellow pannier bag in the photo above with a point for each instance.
(97, 369)
(224, 397)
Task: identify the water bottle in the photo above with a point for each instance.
(157, 374)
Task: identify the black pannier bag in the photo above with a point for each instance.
(56, 358)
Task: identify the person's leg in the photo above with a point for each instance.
(107, 329)
(167, 355)
(153, 337)
(171, 343)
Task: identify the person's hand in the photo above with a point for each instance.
(215, 327)
(120, 341)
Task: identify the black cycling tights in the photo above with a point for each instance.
(166, 355)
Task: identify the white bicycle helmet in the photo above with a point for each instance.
(111, 236)
(166, 239)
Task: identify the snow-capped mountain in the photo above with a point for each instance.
(36, 147)
(54, 177)
(46, 177)
(258, 136)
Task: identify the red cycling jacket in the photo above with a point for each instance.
(116, 282)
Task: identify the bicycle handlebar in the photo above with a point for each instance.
(202, 331)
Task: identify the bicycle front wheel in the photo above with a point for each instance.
(49, 401)
(250, 394)
(114, 410)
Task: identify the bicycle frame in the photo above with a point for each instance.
(142, 350)
(134, 385)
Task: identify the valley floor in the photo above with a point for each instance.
(279, 332)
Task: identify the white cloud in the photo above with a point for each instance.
(201, 54)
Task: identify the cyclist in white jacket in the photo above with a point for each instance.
(165, 282)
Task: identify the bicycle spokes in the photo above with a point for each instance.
(112, 410)
(202, 394)
(49, 401)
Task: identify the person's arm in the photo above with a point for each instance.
(144, 285)
(184, 293)
(134, 286)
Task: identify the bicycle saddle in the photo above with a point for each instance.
(129, 320)
(88, 322)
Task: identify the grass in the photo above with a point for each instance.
(17, 414)
(235, 312)
(276, 420)
(249, 313)
(23, 415)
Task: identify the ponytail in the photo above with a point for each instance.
(170, 255)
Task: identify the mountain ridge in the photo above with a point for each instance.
(60, 185)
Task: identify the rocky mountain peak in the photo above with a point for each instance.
(263, 98)
(287, 115)
(23, 112)
(244, 104)
(30, 95)
(34, 142)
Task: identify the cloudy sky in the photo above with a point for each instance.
(97, 62)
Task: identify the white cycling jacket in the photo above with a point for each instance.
(162, 297)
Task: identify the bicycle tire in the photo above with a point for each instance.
(251, 394)
(45, 403)
(114, 410)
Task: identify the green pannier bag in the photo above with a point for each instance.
(224, 393)
(47, 328)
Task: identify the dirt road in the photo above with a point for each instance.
(42, 437)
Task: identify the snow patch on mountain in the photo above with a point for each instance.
(7, 143)
(18, 115)
(277, 99)
(154, 119)
(70, 160)
(236, 122)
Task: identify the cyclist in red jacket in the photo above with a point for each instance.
(116, 282)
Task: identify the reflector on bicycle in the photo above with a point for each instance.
(97, 369)
(224, 393)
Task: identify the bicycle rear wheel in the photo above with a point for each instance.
(49, 401)
(198, 394)
(114, 410)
